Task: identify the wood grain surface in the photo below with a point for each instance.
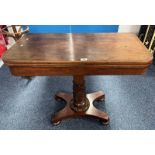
(86, 53)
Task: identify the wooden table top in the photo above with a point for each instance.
(78, 48)
(61, 50)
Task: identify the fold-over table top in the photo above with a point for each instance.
(78, 54)
(71, 49)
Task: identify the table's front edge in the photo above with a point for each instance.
(85, 70)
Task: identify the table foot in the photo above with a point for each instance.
(56, 123)
(105, 122)
(67, 111)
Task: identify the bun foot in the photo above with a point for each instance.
(56, 123)
(105, 122)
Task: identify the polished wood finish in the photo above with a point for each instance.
(85, 70)
(78, 55)
(90, 54)
(79, 103)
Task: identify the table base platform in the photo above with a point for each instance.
(70, 111)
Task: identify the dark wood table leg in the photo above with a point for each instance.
(80, 104)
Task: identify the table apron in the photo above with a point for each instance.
(100, 70)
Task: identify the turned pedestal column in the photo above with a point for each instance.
(79, 104)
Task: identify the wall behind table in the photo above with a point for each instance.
(129, 29)
(73, 28)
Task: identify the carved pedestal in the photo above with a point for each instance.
(80, 104)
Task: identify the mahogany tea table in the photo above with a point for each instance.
(78, 55)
